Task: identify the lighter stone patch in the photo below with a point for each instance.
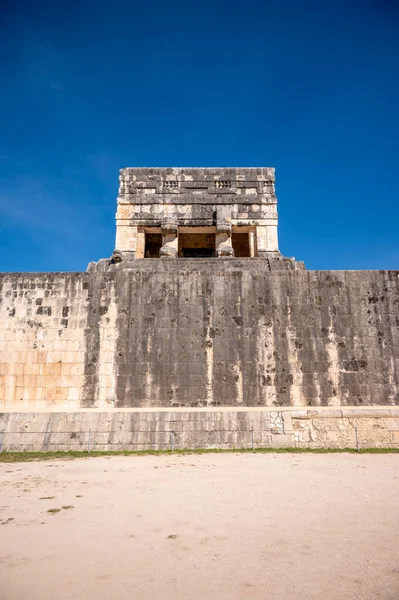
(316, 381)
(266, 360)
(296, 395)
(238, 383)
(391, 380)
(209, 363)
(276, 422)
(149, 344)
(149, 382)
(107, 351)
(333, 365)
(184, 209)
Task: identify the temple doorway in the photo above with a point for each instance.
(153, 244)
(197, 245)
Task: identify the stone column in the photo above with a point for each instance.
(252, 243)
(272, 238)
(266, 238)
(170, 240)
(224, 248)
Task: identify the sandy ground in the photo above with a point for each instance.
(215, 526)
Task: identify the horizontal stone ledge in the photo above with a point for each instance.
(295, 411)
(215, 196)
(345, 413)
(113, 432)
(141, 448)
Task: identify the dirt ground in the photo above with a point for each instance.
(213, 526)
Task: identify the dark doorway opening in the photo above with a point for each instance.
(197, 245)
(240, 243)
(153, 244)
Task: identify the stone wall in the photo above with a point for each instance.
(191, 333)
(199, 428)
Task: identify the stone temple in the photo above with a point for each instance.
(198, 330)
(197, 213)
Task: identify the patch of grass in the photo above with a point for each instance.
(79, 496)
(68, 507)
(53, 511)
(173, 536)
(10, 457)
(47, 498)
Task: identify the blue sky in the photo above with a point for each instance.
(309, 87)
